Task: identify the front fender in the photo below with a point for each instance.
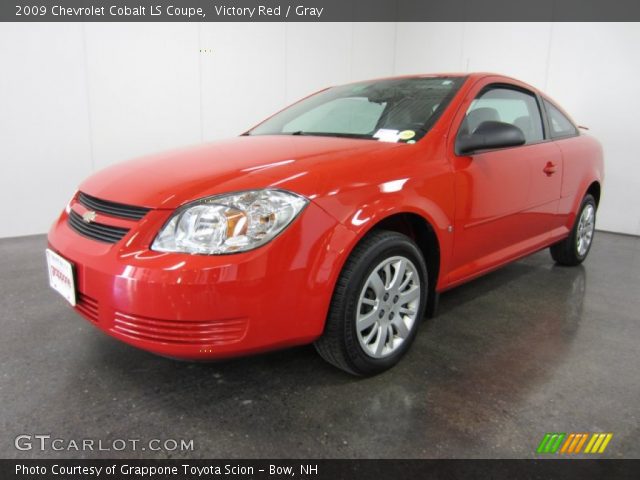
(359, 210)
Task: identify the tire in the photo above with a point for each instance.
(367, 292)
(570, 251)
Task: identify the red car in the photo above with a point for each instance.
(336, 221)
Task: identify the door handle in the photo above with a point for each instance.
(549, 169)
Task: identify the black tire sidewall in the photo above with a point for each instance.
(396, 245)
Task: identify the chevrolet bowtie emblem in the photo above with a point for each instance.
(89, 216)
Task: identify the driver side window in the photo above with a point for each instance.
(506, 105)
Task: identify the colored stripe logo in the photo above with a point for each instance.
(573, 443)
(551, 442)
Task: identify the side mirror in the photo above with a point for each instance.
(490, 135)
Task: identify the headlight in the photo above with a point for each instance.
(229, 223)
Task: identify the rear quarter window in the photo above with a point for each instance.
(559, 124)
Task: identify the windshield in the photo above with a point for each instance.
(395, 110)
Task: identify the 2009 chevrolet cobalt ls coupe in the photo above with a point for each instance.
(336, 221)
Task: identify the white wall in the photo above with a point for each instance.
(589, 68)
(77, 97)
(45, 144)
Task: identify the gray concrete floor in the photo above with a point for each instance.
(529, 349)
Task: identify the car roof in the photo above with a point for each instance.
(473, 76)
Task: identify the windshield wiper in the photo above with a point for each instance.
(332, 134)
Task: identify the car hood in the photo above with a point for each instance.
(307, 165)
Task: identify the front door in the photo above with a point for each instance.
(506, 199)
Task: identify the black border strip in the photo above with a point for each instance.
(328, 10)
(335, 469)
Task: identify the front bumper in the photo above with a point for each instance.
(206, 307)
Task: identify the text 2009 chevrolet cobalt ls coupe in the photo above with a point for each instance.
(336, 221)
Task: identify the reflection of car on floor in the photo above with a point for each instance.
(336, 221)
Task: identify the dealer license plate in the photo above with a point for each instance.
(61, 276)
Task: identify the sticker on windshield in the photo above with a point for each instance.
(406, 135)
(386, 135)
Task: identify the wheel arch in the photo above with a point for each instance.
(420, 229)
(595, 189)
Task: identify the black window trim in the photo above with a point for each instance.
(546, 132)
(548, 117)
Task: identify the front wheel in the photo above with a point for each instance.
(575, 248)
(377, 305)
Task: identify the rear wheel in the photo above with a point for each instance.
(377, 305)
(575, 248)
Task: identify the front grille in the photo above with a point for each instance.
(87, 306)
(96, 231)
(215, 332)
(111, 208)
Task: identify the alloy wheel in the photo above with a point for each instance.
(586, 226)
(388, 306)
